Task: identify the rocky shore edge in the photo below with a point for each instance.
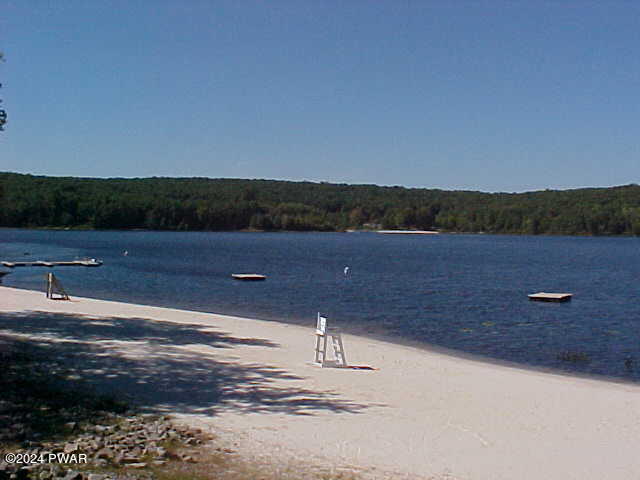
(119, 447)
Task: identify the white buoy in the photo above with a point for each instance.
(346, 271)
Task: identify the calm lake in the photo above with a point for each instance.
(463, 292)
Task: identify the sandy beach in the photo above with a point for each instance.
(416, 414)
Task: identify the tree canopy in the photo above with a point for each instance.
(29, 201)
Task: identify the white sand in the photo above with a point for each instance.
(421, 414)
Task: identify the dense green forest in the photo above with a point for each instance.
(229, 204)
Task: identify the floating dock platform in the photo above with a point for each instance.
(92, 262)
(550, 297)
(249, 277)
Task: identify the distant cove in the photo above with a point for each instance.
(463, 292)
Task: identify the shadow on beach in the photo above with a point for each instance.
(161, 366)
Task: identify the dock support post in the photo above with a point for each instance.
(49, 284)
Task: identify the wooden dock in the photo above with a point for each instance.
(550, 297)
(249, 277)
(92, 262)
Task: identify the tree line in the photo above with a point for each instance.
(28, 201)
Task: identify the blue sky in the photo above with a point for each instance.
(474, 95)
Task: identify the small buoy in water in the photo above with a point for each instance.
(125, 253)
(346, 271)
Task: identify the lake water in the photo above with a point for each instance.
(463, 292)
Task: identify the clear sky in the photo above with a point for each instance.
(480, 95)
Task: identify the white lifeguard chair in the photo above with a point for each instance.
(323, 332)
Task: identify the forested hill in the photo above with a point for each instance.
(230, 204)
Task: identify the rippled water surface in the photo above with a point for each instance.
(464, 292)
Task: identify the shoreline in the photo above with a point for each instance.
(419, 414)
(247, 230)
(356, 330)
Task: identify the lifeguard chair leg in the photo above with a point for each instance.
(338, 349)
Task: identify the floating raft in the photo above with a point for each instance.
(550, 297)
(249, 277)
(40, 263)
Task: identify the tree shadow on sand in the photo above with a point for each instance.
(164, 366)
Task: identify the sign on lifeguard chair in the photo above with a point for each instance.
(322, 335)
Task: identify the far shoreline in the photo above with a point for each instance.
(347, 230)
